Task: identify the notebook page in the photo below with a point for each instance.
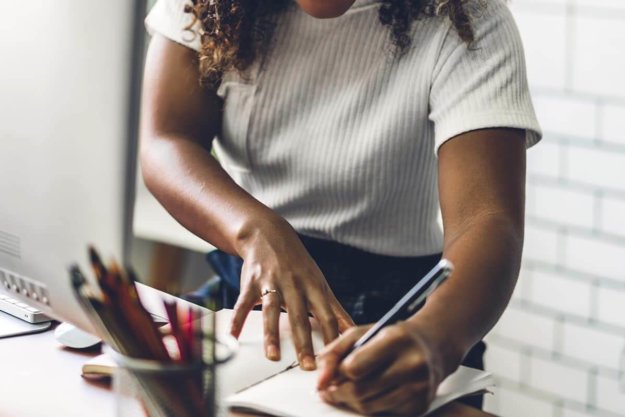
(293, 394)
(249, 366)
(463, 382)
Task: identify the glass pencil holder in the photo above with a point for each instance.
(150, 388)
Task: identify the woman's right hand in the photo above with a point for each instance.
(275, 262)
(177, 118)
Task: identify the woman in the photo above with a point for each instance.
(340, 125)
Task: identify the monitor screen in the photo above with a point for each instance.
(68, 104)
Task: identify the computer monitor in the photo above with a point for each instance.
(69, 100)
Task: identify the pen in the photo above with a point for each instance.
(409, 302)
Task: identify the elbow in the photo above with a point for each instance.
(151, 160)
(486, 228)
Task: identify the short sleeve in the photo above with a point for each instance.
(169, 19)
(483, 85)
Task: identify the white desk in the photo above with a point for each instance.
(40, 378)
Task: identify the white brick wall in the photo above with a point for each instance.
(613, 215)
(611, 307)
(612, 126)
(596, 256)
(602, 168)
(559, 349)
(509, 362)
(558, 292)
(545, 56)
(603, 5)
(593, 346)
(513, 403)
(558, 379)
(541, 244)
(527, 329)
(610, 395)
(549, 200)
(598, 55)
(574, 413)
(545, 160)
(570, 117)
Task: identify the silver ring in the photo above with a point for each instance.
(268, 291)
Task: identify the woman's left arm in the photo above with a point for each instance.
(482, 195)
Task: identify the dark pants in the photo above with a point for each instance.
(367, 285)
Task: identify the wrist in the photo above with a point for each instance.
(258, 227)
(446, 353)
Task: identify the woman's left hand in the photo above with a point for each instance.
(397, 372)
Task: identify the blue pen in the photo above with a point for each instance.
(409, 302)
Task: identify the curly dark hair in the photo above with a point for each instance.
(234, 32)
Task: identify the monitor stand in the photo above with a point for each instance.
(11, 326)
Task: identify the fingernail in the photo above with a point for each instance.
(308, 364)
(273, 353)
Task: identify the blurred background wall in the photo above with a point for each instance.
(559, 347)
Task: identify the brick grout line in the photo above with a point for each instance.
(528, 285)
(525, 376)
(594, 303)
(576, 231)
(574, 275)
(598, 211)
(535, 393)
(558, 337)
(564, 162)
(592, 388)
(542, 179)
(568, 317)
(558, 410)
(561, 359)
(555, 400)
(577, 95)
(570, 140)
(562, 238)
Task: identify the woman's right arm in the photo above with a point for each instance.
(179, 121)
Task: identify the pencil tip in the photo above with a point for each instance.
(93, 255)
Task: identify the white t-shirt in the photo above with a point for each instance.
(340, 138)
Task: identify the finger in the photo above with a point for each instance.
(271, 325)
(332, 355)
(325, 317)
(245, 303)
(301, 330)
(344, 320)
(404, 399)
(405, 370)
(342, 345)
(375, 356)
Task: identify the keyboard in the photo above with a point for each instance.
(22, 311)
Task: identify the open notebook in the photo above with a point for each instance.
(292, 394)
(249, 381)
